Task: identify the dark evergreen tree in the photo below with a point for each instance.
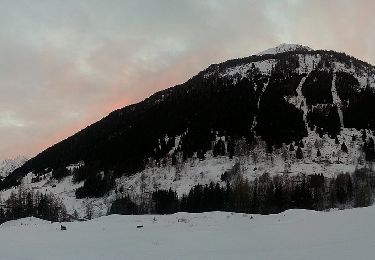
(60, 173)
(364, 135)
(317, 87)
(165, 201)
(369, 149)
(231, 147)
(219, 148)
(123, 206)
(299, 153)
(344, 148)
(96, 186)
(201, 155)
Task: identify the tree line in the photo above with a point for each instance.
(24, 203)
(263, 195)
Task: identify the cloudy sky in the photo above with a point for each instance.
(66, 64)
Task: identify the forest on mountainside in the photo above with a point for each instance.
(190, 119)
(264, 195)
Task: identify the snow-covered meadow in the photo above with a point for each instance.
(294, 234)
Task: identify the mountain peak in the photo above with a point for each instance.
(10, 164)
(285, 47)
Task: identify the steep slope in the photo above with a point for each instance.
(281, 96)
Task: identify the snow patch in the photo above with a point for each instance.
(264, 66)
(285, 47)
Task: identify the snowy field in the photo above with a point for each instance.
(294, 234)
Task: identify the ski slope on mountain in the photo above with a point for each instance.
(294, 234)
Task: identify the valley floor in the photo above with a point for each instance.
(294, 234)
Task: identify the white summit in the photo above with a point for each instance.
(285, 47)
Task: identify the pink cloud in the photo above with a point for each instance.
(65, 66)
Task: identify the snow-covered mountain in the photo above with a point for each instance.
(9, 165)
(289, 110)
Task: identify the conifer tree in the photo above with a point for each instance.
(344, 148)
(299, 153)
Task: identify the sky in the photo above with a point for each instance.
(66, 64)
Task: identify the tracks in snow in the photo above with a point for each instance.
(260, 97)
(336, 99)
(301, 100)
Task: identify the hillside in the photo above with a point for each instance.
(294, 234)
(289, 110)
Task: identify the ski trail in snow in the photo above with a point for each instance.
(301, 100)
(336, 99)
(260, 97)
